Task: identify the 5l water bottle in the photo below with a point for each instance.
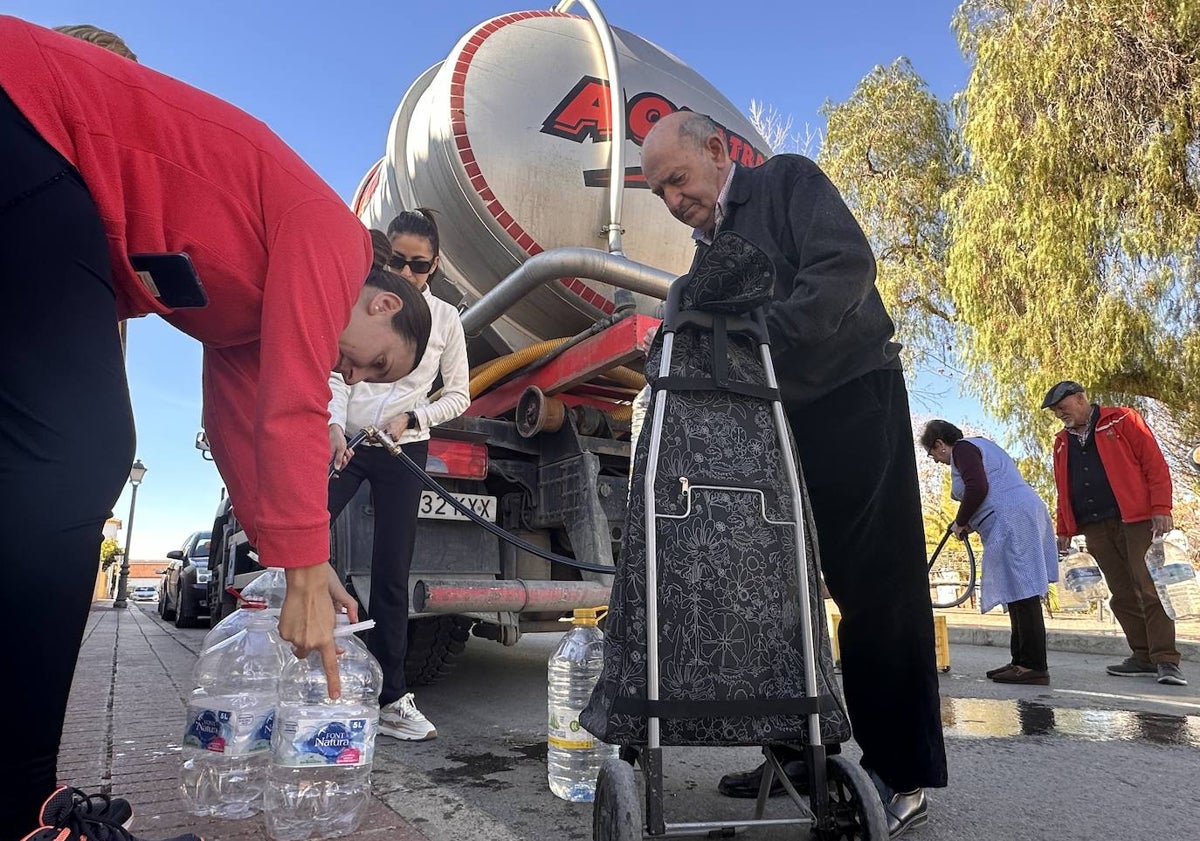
(239, 620)
(320, 776)
(573, 755)
(1082, 578)
(1174, 576)
(230, 716)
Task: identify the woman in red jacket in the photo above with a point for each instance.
(101, 158)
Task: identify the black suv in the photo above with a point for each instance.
(183, 594)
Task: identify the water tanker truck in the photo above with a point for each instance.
(526, 140)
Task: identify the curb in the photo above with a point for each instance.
(1076, 642)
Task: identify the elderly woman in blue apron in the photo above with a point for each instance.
(1020, 550)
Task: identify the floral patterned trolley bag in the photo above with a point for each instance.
(716, 633)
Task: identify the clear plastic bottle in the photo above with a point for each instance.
(268, 588)
(230, 716)
(1081, 578)
(238, 621)
(320, 777)
(573, 755)
(1174, 576)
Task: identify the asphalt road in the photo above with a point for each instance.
(1089, 757)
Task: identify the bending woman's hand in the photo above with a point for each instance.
(307, 619)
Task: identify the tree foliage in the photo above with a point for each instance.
(109, 549)
(891, 150)
(1048, 219)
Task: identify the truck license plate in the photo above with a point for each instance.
(434, 507)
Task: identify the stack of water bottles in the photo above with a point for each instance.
(1173, 575)
(573, 755)
(262, 734)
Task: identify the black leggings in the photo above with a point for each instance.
(66, 444)
(395, 495)
(1028, 641)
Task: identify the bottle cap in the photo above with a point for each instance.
(588, 616)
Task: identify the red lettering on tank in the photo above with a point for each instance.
(644, 111)
(583, 113)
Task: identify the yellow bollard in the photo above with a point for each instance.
(941, 638)
(941, 642)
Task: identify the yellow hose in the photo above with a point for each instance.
(622, 412)
(485, 375)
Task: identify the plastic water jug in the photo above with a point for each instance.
(1174, 576)
(573, 755)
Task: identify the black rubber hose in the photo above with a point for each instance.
(972, 566)
(508, 537)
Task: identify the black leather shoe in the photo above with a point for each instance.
(745, 785)
(904, 811)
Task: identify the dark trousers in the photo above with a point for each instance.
(395, 495)
(1120, 550)
(66, 444)
(1028, 639)
(856, 450)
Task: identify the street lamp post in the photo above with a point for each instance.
(136, 474)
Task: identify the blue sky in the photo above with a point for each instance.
(327, 78)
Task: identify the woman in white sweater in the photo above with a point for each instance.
(403, 409)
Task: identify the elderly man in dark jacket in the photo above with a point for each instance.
(841, 380)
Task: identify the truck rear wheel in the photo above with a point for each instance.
(433, 643)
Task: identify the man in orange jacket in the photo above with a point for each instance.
(1114, 488)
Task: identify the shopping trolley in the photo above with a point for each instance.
(716, 634)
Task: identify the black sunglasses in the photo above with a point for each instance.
(418, 266)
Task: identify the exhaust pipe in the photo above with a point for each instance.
(464, 595)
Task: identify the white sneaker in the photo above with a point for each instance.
(402, 720)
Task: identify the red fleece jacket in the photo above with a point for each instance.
(281, 257)
(1133, 462)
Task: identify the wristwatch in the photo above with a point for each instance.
(412, 420)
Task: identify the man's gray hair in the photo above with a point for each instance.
(695, 128)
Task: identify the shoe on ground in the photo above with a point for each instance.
(1022, 675)
(71, 815)
(96, 807)
(1133, 667)
(402, 720)
(993, 672)
(744, 785)
(1171, 675)
(904, 810)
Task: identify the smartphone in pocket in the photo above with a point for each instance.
(171, 278)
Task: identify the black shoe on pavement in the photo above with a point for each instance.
(993, 672)
(1171, 675)
(1020, 674)
(101, 807)
(1133, 667)
(904, 810)
(71, 815)
(745, 785)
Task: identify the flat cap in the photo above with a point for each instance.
(1064, 389)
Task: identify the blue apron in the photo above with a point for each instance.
(1020, 551)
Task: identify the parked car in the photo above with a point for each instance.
(144, 593)
(183, 593)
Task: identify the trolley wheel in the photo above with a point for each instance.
(855, 810)
(617, 810)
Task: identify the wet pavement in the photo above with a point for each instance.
(991, 718)
(1088, 757)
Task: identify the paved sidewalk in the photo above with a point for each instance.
(1072, 632)
(124, 723)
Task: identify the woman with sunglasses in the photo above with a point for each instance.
(404, 410)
